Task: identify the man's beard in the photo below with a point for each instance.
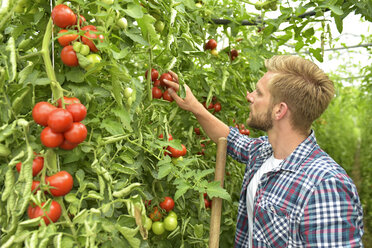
(262, 121)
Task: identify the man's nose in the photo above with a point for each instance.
(249, 97)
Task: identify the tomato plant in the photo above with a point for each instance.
(89, 38)
(155, 214)
(154, 74)
(53, 213)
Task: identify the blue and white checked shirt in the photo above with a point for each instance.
(309, 201)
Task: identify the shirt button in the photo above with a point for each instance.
(272, 209)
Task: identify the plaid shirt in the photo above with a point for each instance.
(309, 201)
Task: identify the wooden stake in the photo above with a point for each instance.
(214, 232)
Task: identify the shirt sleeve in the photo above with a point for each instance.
(333, 216)
(242, 148)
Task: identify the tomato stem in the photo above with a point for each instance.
(68, 220)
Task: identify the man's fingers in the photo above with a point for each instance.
(174, 76)
(172, 84)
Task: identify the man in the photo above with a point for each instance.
(293, 193)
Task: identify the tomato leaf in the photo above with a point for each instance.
(123, 169)
(134, 10)
(75, 75)
(112, 126)
(214, 189)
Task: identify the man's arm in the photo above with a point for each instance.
(212, 126)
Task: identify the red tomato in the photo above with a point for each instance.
(233, 54)
(167, 96)
(66, 39)
(157, 83)
(41, 111)
(167, 204)
(154, 74)
(211, 44)
(170, 137)
(166, 76)
(217, 107)
(81, 19)
(177, 153)
(77, 133)
(88, 38)
(60, 183)
(67, 100)
(37, 165)
(63, 16)
(89, 27)
(210, 106)
(50, 138)
(68, 56)
(207, 203)
(156, 92)
(60, 120)
(242, 126)
(35, 186)
(197, 130)
(54, 212)
(155, 215)
(77, 110)
(67, 145)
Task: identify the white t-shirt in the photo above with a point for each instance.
(270, 164)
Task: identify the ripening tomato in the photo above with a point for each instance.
(170, 137)
(166, 76)
(211, 44)
(217, 107)
(158, 227)
(167, 204)
(37, 165)
(154, 74)
(210, 106)
(60, 120)
(167, 96)
(67, 100)
(77, 110)
(60, 183)
(207, 203)
(54, 212)
(156, 92)
(197, 131)
(89, 27)
(41, 111)
(155, 215)
(88, 38)
(170, 223)
(67, 145)
(66, 39)
(63, 16)
(177, 153)
(50, 138)
(35, 186)
(77, 133)
(233, 54)
(68, 56)
(214, 52)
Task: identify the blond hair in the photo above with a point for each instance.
(302, 85)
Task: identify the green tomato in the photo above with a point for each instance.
(170, 223)
(172, 213)
(122, 23)
(77, 46)
(199, 5)
(128, 92)
(158, 227)
(93, 58)
(148, 224)
(159, 26)
(130, 100)
(84, 50)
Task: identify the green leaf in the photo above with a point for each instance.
(75, 75)
(338, 21)
(164, 170)
(214, 189)
(336, 9)
(123, 169)
(134, 10)
(317, 53)
(147, 27)
(308, 33)
(129, 234)
(200, 174)
(181, 190)
(111, 126)
(124, 117)
(137, 38)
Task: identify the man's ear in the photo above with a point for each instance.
(280, 110)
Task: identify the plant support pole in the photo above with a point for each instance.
(214, 235)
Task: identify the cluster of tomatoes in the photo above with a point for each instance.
(63, 128)
(212, 45)
(159, 85)
(161, 219)
(242, 129)
(73, 43)
(213, 105)
(58, 184)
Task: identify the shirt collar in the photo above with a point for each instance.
(294, 160)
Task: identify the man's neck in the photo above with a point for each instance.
(284, 141)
